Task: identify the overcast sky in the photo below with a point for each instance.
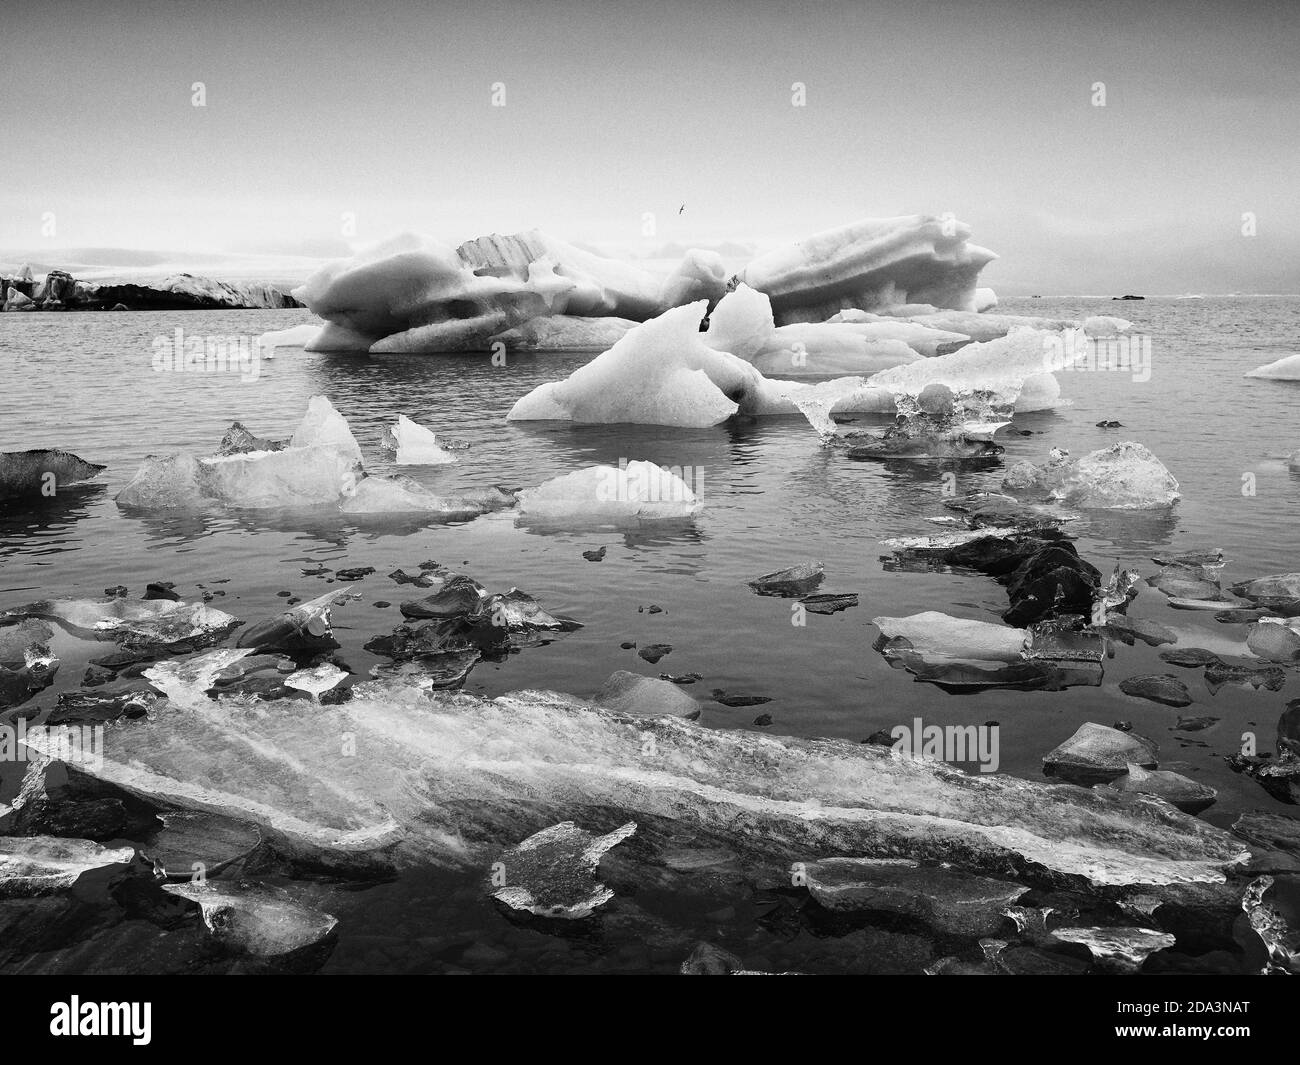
(618, 110)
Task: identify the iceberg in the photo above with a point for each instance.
(742, 324)
(634, 492)
(417, 446)
(412, 294)
(449, 778)
(1124, 476)
(871, 264)
(1286, 369)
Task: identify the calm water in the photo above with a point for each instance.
(84, 382)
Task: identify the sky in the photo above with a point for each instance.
(635, 126)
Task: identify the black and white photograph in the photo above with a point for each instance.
(650, 489)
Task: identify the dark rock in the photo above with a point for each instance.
(1167, 690)
(763, 720)
(1195, 724)
(594, 556)
(791, 582)
(655, 651)
(720, 696)
(829, 603)
(1191, 657)
(356, 573)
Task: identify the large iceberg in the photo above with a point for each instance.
(870, 265)
(665, 372)
(414, 294)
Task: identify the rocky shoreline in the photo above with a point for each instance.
(60, 291)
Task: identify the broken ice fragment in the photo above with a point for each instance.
(132, 624)
(632, 693)
(191, 844)
(1174, 788)
(1118, 949)
(1125, 476)
(438, 671)
(1275, 639)
(1096, 754)
(1269, 923)
(27, 665)
(417, 446)
(947, 899)
(43, 865)
(305, 627)
(255, 919)
(635, 492)
(317, 680)
(553, 872)
(323, 426)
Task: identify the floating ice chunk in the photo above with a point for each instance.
(661, 373)
(632, 693)
(1096, 754)
(323, 426)
(874, 263)
(1017, 369)
(376, 496)
(553, 872)
(564, 332)
(985, 327)
(1101, 325)
(417, 446)
(302, 627)
(164, 482)
(934, 636)
(1269, 923)
(43, 865)
(946, 899)
(27, 665)
(1119, 949)
(1124, 476)
(985, 300)
(42, 471)
(295, 477)
(1188, 795)
(439, 769)
(298, 336)
(1285, 369)
(316, 680)
(133, 623)
(742, 324)
(336, 337)
(637, 491)
(255, 919)
(186, 838)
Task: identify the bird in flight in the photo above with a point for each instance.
(681, 208)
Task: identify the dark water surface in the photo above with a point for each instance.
(773, 496)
